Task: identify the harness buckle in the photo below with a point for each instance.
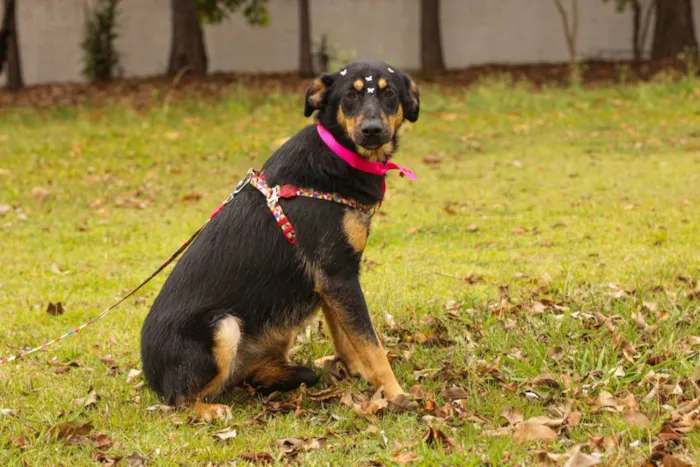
(274, 196)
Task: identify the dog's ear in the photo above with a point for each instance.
(410, 99)
(317, 93)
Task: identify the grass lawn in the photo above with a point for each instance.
(545, 262)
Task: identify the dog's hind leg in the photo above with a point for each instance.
(272, 375)
(226, 340)
(269, 368)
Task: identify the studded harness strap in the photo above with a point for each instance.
(273, 195)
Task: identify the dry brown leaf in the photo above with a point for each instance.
(519, 230)
(432, 159)
(133, 374)
(401, 403)
(605, 400)
(258, 458)
(526, 432)
(223, 435)
(324, 394)
(405, 457)
(635, 418)
(455, 393)
(191, 196)
(72, 432)
(513, 415)
(573, 419)
(39, 192)
(55, 309)
(545, 420)
(503, 431)
(100, 440)
(548, 458)
(673, 461)
(582, 460)
(555, 353)
(547, 379)
(472, 228)
(639, 320)
(87, 401)
(20, 442)
(434, 437)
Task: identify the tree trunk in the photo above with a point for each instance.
(674, 30)
(636, 30)
(9, 47)
(431, 60)
(187, 52)
(306, 64)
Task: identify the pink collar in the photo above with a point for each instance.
(357, 162)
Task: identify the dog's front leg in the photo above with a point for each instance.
(354, 337)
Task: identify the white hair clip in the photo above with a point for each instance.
(368, 78)
(344, 72)
(390, 70)
(370, 90)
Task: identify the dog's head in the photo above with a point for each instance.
(367, 102)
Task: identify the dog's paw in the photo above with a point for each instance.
(402, 402)
(211, 412)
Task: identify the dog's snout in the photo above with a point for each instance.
(371, 128)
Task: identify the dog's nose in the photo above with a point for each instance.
(371, 128)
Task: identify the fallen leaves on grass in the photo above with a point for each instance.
(133, 374)
(87, 401)
(455, 393)
(404, 457)
(293, 446)
(258, 458)
(363, 407)
(72, 432)
(635, 418)
(432, 159)
(55, 309)
(40, 192)
(526, 432)
(581, 459)
(434, 437)
(223, 435)
(607, 402)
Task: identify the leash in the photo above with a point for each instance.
(273, 194)
(172, 258)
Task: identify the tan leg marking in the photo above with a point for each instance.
(356, 228)
(343, 348)
(225, 349)
(373, 364)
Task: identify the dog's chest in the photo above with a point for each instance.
(356, 227)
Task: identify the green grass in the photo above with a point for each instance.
(575, 195)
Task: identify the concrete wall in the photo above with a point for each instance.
(474, 32)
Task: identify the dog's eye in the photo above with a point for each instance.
(351, 95)
(389, 93)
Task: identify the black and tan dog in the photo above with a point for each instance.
(232, 306)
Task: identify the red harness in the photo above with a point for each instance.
(273, 195)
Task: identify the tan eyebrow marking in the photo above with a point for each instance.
(358, 84)
(382, 83)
